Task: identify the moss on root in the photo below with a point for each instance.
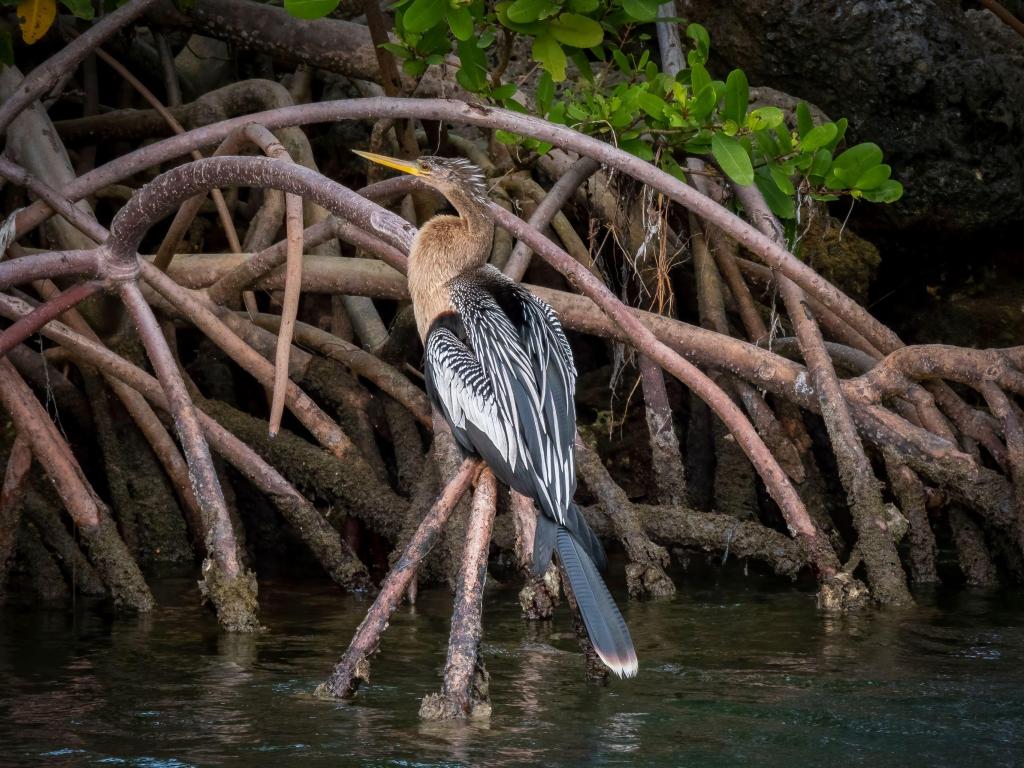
(234, 599)
(115, 565)
(317, 473)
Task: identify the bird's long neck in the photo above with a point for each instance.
(446, 247)
(479, 226)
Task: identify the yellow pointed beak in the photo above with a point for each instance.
(405, 166)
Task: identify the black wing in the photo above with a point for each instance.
(524, 355)
(542, 336)
(458, 387)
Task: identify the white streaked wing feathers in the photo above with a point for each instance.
(467, 394)
(528, 357)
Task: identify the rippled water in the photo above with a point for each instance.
(741, 674)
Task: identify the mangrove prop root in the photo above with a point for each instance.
(267, 479)
(874, 540)
(114, 563)
(354, 666)
(645, 573)
(120, 266)
(461, 694)
(18, 465)
(921, 441)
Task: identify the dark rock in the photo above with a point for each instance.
(939, 89)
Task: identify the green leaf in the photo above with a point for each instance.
(512, 105)
(472, 75)
(485, 40)
(699, 144)
(699, 78)
(737, 95)
(545, 92)
(460, 20)
(310, 9)
(801, 162)
(873, 177)
(577, 31)
(525, 11)
(621, 61)
(804, 122)
(584, 6)
(395, 49)
(841, 124)
(414, 67)
(818, 137)
(856, 161)
(653, 105)
(779, 202)
(502, 92)
(639, 148)
(83, 9)
(579, 57)
(820, 165)
(6, 48)
(549, 53)
(641, 10)
(701, 39)
(418, 17)
(766, 143)
(702, 106)
(764, 118)
(733, 158)
(784, 137)
(782, 181)
(887, 192)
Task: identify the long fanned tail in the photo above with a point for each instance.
(605, 625)
(547, 529)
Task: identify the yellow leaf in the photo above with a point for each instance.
(36, 17)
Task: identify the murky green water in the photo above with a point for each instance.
(731, 675)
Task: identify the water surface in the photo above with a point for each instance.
(736, 674)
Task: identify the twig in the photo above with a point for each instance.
(232, 590)
(1004, 15)
(362, 363)
(321, 538)
(293, 282)
(645, 573)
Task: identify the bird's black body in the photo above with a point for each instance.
(500, 370)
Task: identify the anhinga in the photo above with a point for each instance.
(500, 370)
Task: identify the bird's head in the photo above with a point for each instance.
(453, 177)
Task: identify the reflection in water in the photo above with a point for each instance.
(731, 675)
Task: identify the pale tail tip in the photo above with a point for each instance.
(623, 667)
